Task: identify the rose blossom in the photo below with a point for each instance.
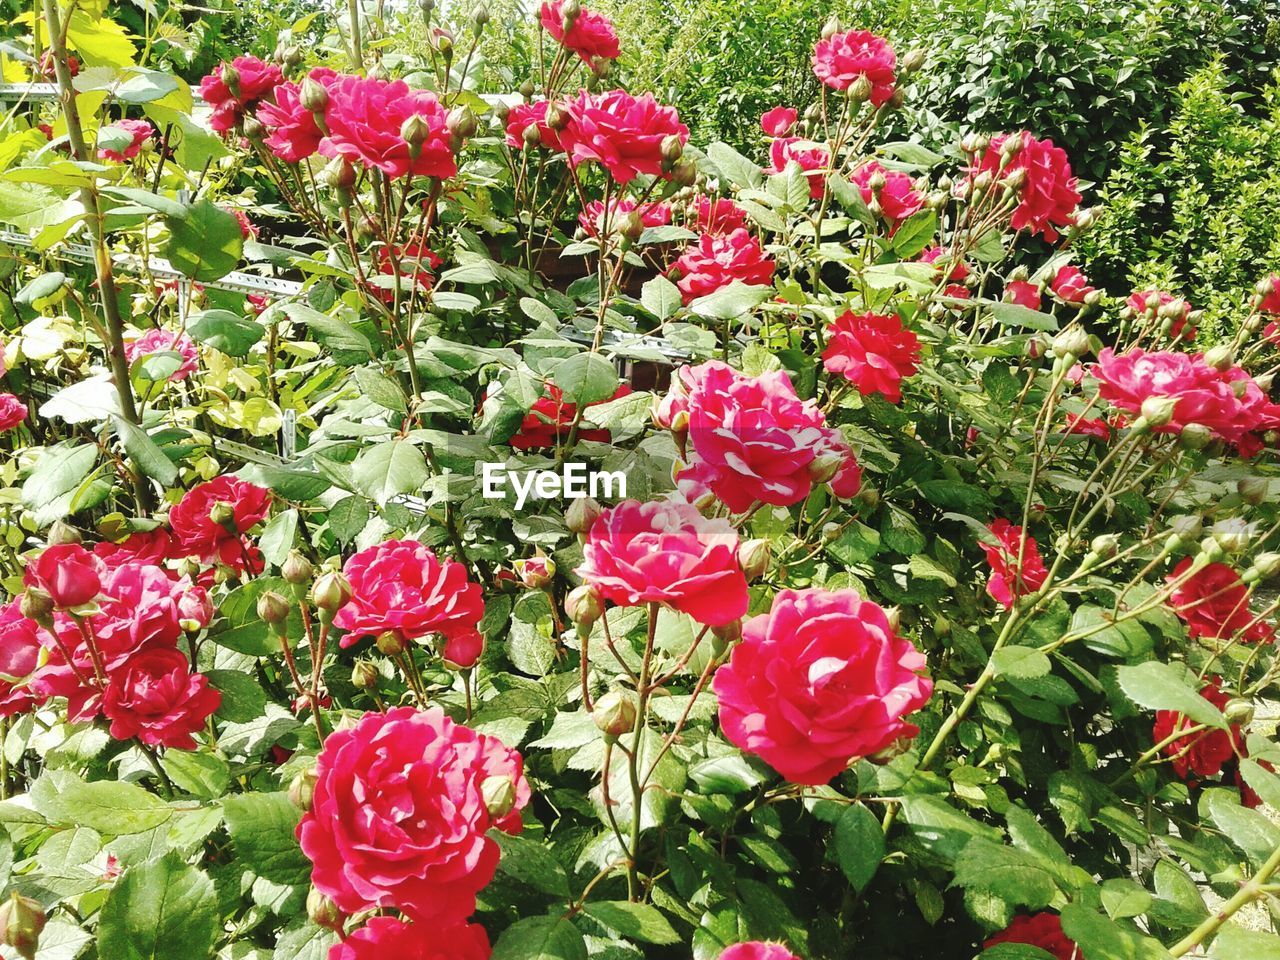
(1088, 426)
(873, 351)
(1165, 305)
(716, 261)
(156, 341)
(717, 215)
(622, 133)
(69, 573)
(592, 218)
(145, 546)
(364, 118)
(411, 261)
(1201, 754)
(1016, 567)
(817, 682)
(848, 477)
(959, 272)
(1043, 930)
(1070, 285)
(1022, 293)
(155, 697)
(845, 58)
(898, 199)
(551, 418)
(256, 80)
(20, 650)
(386, 938)
(1048, 197)
(12, 411)
(398, 817)
(240, 506)
(814, 159)
(1270, 301)
(525, 115)
(668, 553)
(756, 950)
(1214, 603)
(140, 132)
(591, 35)
(779, 121)
(294, 134)
(401, 586)
(462, 650)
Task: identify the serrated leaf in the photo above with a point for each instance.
(660, 297)
(262, 829)
(859, 845)
(389, 469)
(540, 938)
(1164, 686)
(205, 243)
(161, 910)
(635, 921)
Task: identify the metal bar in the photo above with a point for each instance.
(28, 91)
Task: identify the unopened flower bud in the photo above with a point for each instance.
(480, 17)
(631, 225)
(1085, 218)
(583, 605)
(1252, 490)
(302, 789)
(582, 514)
(1016, 180)
(1267, 565)
(913, 61)
(831, 27)
(1221, 357)
(499, 795)
(725, 634)
(231, 77)
(531, 136)
(61, 533)
(974, 143)
(1105, 545)
(830, 531)
(253, 129)
(1195, 436)
(364, 675)
(615, 713)
(1239, 713)
(891, 752)
(1158, 411)
(754, 556)
(537, 572)
(684, 173)
(224, 515)
(527, 88)
(1233, 535)
(825, 466)
(331, 591)
(291, 56)
(338, 174)
(313, 95)
(982, 182)
(672, 148)
(557, 117)
(1073, 341)
(390, 643)
(21, 922)
(296, 569)
(414, 131)
(860, 90)
(273, 609)
(462, 122)
(323, 912)
(1186, 527)
(37, 605)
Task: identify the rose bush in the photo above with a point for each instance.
(923, 603)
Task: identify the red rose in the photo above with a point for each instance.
(814, 159)
(1214, 603)
(1043, 930)
(149, 546)
(398, 816)
(895, 200)
(848, 477)
(717, 215)
(463, 649)
(156, 698)
(364, 117)
(592, 219)
(1022, 293)
(211, 519)
(751, 439)
(157, 341)
(401, 586)
(1201, 754)
(873, 351)
(715, 261)
(1016, 567)
(411, 261)
(67, 572)
(20, 650)
(12, 411)
(669, 553)
(294, 133)
(959, 272)
(591, 35)
(1088, 426)
(139, 130)
(817, 682)
(1048, 196)
(255, 80)
(756, 950)
(1070, 285)
(622, 133)
(1162, 305)
(779, 121)
(386, 938)
(550, 420)
(525, 115)
(248, 230)
(845, 58)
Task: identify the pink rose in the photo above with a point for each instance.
(1166, 307)
(399, 819)
(717, 215)
(525, 115)
(717, 260)
(845, 58)
(12, 411)
(20, 650)
(873, 351)
(386, 938)
(248, 230)
(68, 572)
(1022, 293)
(462, 650)
(959, 272)
(819, 681)
(755, 950)
(1016, 567)
(620, 132)
(1070, 285)
(364, 118)
(156, 341)
(211, 519)
(149, 546)
(294, 133)
(779, 121)
(155, 697)
(139, 130)
(1048, 196)
(591, 35)
(401, 586)
(254, 80)
(592, 219)
(668, 553)
(896, 200)
(813, 159)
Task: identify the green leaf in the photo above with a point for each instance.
(850, 199)
(1236, 943)
(337, 334)
(225, 331)
(532, 863)
(110, 807)
(348, 517)
(585, 378)
(206, 243)
(262, 828)
(389, 469)
(1165, 686)
(146, 456)
(1016, 315)
(161, 910)
(635, 921)
(1100, 938)
(145, 198)
(915, 233)
(941, 828)
(997, 872)
(58, 471)
(238, 627)
(730, 774)
(278, 537)
(1123, 898)
(1020, 663)
(203, 775)
(731, 302)
(1264, 783)
(1250, 830)
(243, 698)
(859, 845)
(660, 297)
(305, 941)
(540, 938)
(737, 169)
(381, 389)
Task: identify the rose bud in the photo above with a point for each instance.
(825, 466)
(231, 77)
(224, 515)
(414, 131)
(1266, 565)
(462, 650)
(297, 569)
(331, 591)
(726, 634)
(62, 533)
(390, 643)
(582, 513)
(302, 789)
(1186, 527)
(557, 117)
(313, 95)
(830, 531)
(672, 148)
(323, 912)
(1253, 490)
(1158, 411)
(615, 713)
(1072, 342)
(21, 922)
(685, 173)
(583, 605)
(462, 122)
(1221, 357)
(364, 675)
(338, 174)
(531, 136)
(1195, 436)
(891, 752)
(291, 55)
(273, 608)
(831, 27)
(913, 61)
(526, 89)
(499, 795)
(1232, 535)
(1105, 545)
(1238, 712)
(37, 605)
(480, 17)
(253, 129)
(753, 557)
(195, 608)
(631, 226)
(537, 572)
(860, 90)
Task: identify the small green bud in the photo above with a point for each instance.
(615, 713)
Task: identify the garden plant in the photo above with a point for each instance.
(441, 522)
